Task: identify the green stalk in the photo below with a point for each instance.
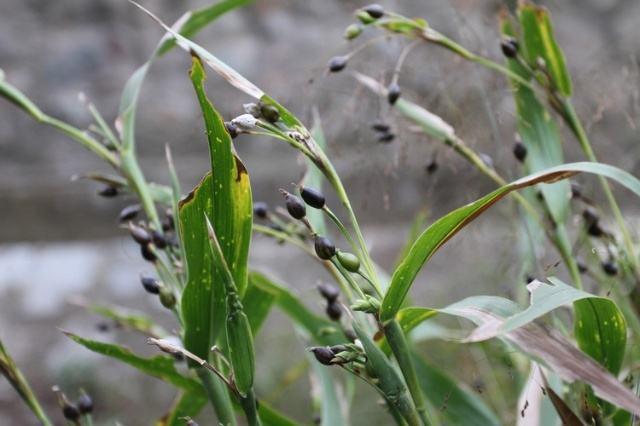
(219, 396)
(138, 184)
(398, 344)
(249, 404)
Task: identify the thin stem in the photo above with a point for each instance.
(138, 184)
(398, 344)
(340, 226)
(249, 406)
(219, 397)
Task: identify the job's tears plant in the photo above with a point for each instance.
(199, 246)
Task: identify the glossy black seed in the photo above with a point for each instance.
(323, 355)
(380, 126)
(108, 191)
(393, 93)
(232, 129)
(139, 234)
(150, 284)
(159, 239)
(324, 248)
(610, 268)
(374, 10)
(334, 311)
(102, 326)
(338, 63)
(70, 411)
(147, 253)
(270, 113)
(295, 206)
(336, 349)
(520, 151)
(432, 167)
(312, 197)
(329, 292)
(590, 215)
(529, 278)
(386, 137)
(85, 404)
(509, 47)
(260, 209)
(168, 224)
(595, 230)
(129, 213)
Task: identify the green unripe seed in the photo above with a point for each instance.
(167, 298)
(349, 261)
(352, 31)
(364, 17)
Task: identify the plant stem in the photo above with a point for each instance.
(249, 406)
(219, 397)
(400, 348)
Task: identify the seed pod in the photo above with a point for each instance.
(323, 354)
(374, 10)
(329, 292)
(129, 213)
(386, 137)
(147, 253)
(260, 209)
(369, 305)
(610, 268)
(338, 63)
(108, 191)
(352, 31)
(324, 248)
(139, 234)
(334, 311)
(295, 206)
(70, 411)
(509, 47)
(312, 197)
(336, 349)
(168, 223)
(245, 122)
(167, 298)
(595, 230)
(364, 17)
(380, 126)
(252, 108)
(590, 215)
(432, 167)
(232, 129)
(393, 93)
(85, 403)
(158, 239)
(520, 151)
(150, 284)
(270, 113)
(240, 344)
(349, 261)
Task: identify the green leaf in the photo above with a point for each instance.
(257, 304)
(224, 196)
(447, 226)
(331, 410)
(539, 41)
(322, 331)
(458, 405)
(161, 367)
(272, 417)
(130, 319)
(12, 373)
(187, 404)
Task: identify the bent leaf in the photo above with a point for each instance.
(447, 226)
(187, 404)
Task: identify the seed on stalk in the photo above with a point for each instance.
(108, 191)
(312, 197)
(329, 292)
(334, 311)
(252, 108)
(147, 253)
(159, 239)
(349, 261)
(595, 230)
(336, 349)
(509, 47)
(364, 17)
(374, 10)
(295, 206)
(260, 209)
(520, 151)
(323, 354)
(352, 31)
(167, 298)
(70, 411)
(168, 223)
(245, 122)
(232, 129)
(150, 284)
(610, 268)
(590, 215)
(386, 137)
(270, 113)
(432, 167)
(324, 248)
(129, 213)
(380, 126)
(393, 93)
(338, 63)
(85, 403)
(139, 234)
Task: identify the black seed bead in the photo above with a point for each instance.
(338, 63)
(374, 10)
(432, 167)
(393, 93)
(147, 253)
(380, 126)
(139, 234)
(159, 239)
(334, 311)
(324, 248)
(595, 230)
(232, 129)
(270, 113)
(150, 284)
(520, 151)
(509, 47)
(610, 268)
(323, 355)
(386, 137)
(85, 404)
(108, 192)
(260, 209)
(312, 197)
(70, 412)
(129, 213)
(590, 215)
(295, 206)
(329, 292)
